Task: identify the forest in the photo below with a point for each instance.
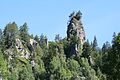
(24, 56)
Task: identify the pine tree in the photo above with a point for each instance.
(86, 49)
(43, 41)
(10, 34)
(106, 47)
(114, 60)
(114, 36)
(1, 38)
(37, 38)
(57, 38)
(0, 34)
(95, 43)
(24, 33)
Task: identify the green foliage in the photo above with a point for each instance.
(94, 46)
(24, 33)
(106, 47)
(59, 60)
(25, 73)
(86, 50)
(57, 38)
(10, 34)
(43, 41)
(11, 29)
(72, 65)
(55, 64)
(3, 67)
(0, 34)
(22, 60)
(37, 38)
(1, 38)
(114, 60)
(87, 70)
(39, 69)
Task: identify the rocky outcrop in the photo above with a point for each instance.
(75, 27)
(75, 33)
(20, 49)
(32, 45)
(33, 42)
(19, 45)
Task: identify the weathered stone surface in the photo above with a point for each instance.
(75, 33)
(75, 25)
(23, 52)
(19, 45)
(33, 42)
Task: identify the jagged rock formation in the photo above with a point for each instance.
(20, 49)
(33, 43)
(75, 27)
(75, 32)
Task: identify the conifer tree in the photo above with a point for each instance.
(0, 34)
(114, 60)
(10, 34)
(86, 49)
(24, 33)
(94, 43)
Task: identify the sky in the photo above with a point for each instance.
(100, 18)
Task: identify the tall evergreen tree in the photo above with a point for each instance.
(106, 47)
(43, 41)
(114, 60)
(0, 34)
(57, 38)
(1, 38)
(114, 36)
(37, 38)
(94, 43)
(86, 49)
(10, 33)
(24, 33)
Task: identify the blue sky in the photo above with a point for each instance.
(50, 17)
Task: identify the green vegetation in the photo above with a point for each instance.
(25, 57)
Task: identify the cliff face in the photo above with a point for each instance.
(75, 27)
(75, 32)
(21, 49)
